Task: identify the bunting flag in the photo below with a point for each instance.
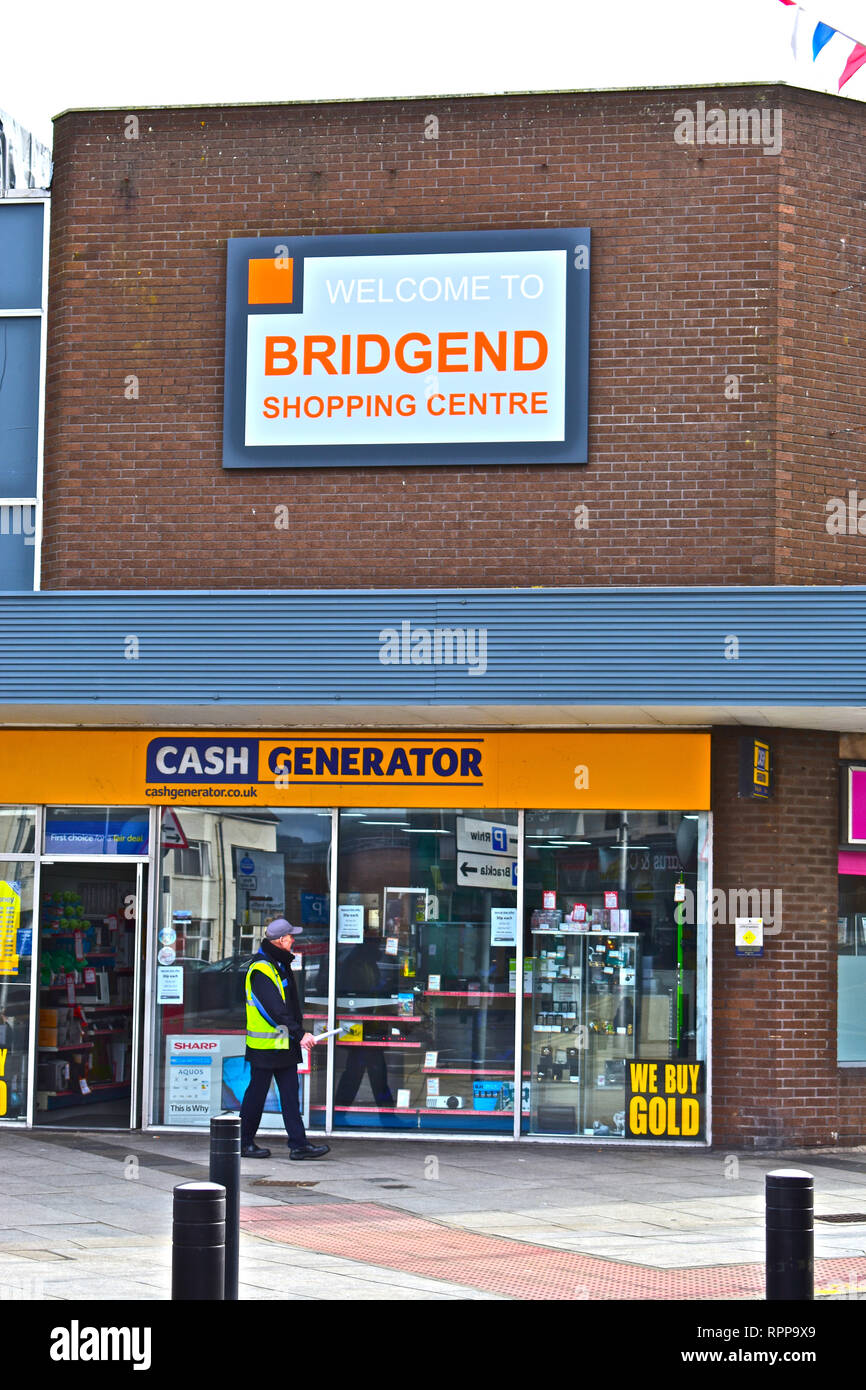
(854, 63)
(813, 39)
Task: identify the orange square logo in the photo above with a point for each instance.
(270, 281)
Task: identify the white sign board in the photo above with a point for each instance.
(486, 871)
(350, 923)
(503, 926)
(206, 1075)
(464, 347)
(169, 984)
(171, 835)
(749, 936)
(193, 1076)
(486, 837)
(350, 367)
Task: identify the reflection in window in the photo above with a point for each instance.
(194, 861)
(17, 829)
(240, 870)
(426, 945)
(195, 944)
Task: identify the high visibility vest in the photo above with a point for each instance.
(262, 1033)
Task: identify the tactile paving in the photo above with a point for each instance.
(378, 1235)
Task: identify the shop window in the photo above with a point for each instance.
(16, 957)
(20, 345)
(239, 870)
(851, 958)
(21, 231)
(615, 974)
(426, 971)
(17, 830)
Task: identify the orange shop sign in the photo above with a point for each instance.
(634, 771)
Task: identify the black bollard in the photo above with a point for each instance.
(225, 1168)
(198, 1242)
(790, 1236)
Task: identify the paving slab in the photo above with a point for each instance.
(75, 1220)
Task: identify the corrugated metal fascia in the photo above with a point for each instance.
(596, 646)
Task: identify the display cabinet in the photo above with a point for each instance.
(582, 1028)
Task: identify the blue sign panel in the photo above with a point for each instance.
(448, 348)
(21, 232)
(200, 761)
(94, 832)
(315, 909)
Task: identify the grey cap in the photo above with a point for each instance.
(280, 927)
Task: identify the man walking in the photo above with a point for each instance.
(275, 1037)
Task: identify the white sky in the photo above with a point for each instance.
(56, 54)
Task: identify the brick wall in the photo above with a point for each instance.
(775, 1079)
(680, 483)
(820, 425)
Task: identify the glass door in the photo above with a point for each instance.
(426, 956)
(89, 962)
(615, 957)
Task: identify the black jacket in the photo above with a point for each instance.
(286, 1015)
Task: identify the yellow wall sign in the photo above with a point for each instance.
(631, 771)
(10, 916)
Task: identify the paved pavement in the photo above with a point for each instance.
(88, 1216)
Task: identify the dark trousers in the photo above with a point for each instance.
(255, 1096)
(356, 1064)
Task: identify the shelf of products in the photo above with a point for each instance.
(466, 994)
(466, 1071)
(97, 1091)
(582, 1027)
(374, 1018)
(413, 1110)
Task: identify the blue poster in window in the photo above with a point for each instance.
(315, 908)
(96, 832)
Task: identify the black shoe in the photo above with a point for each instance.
(253, 1151)
(310, 1151)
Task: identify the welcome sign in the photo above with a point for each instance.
(445, 348)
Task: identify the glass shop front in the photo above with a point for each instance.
(490, 970)
(459, 1009)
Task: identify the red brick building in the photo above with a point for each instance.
(699, 574)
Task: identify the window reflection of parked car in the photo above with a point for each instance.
(215, 987)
